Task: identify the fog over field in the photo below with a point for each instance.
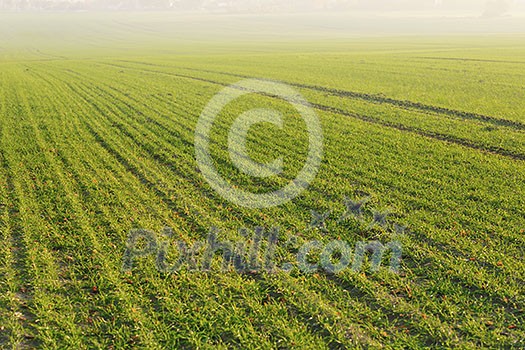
(255, 19)
(487, 8)
(114, 24)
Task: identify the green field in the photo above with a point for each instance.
(97, 123)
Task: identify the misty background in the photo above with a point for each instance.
(48, 29)
(483, 8)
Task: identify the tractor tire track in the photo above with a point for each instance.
(308, 317)
(163, 160)
(374, 98)
(435, 245)
(398, 126)
(468, 60)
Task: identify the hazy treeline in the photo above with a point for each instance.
(484, 7)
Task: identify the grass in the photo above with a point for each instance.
(97, 140)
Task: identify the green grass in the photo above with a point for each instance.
(97, 139)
